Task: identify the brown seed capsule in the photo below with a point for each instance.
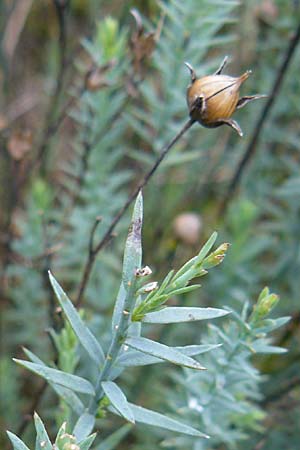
(213, 99)
(187, 227)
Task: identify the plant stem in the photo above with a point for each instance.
(107, 236)
(119, 336)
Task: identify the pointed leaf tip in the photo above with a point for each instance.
(73, 382)
(83, 333)
(156, 419)
(133, 247)
(162, 351)
(42, 439)
(183, 314)
(17, 443)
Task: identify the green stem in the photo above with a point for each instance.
(117, 341)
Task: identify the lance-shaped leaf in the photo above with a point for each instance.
(86, 443)
(262, 346)
(119, 307)
(67, 380)
(16, 442)
(60, 434)
(84, 335)
(198, 258)
(84, 426)
(268, 325)
(153, 418)
(132, 258)
(137, 358)
(111, 442)
(42, 439)
(66, 394)
(163, 352)
(133, 247)
(118, 399)
(183, 314)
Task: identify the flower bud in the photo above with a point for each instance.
(215, 258)
(266, 302)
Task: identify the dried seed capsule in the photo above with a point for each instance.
(187, 227)
(213, 99)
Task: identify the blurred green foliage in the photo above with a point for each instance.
(112, 132)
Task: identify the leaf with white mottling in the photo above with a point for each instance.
(42, 439)
(133, 246)
(132, 259)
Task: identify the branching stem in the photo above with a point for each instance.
(108, 235)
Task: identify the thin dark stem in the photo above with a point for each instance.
(107, 236)
(93, 231)
(252, 146)
(61, 7)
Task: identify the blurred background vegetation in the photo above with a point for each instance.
(89, 94)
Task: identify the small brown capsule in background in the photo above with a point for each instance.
(213, 99)
(187, 227)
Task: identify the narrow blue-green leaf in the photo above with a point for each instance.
(67, 380)
(207, 247)
(118, 308)
(33, 357)
(66, 394)
(183, 314)
(85, 337)
(167, 280)
(163, 352)
(60, 434)
(87, 442)
(267, 349)
(42, 439)
(184, 290)
(132, 259)
(137, 358)
(268, 325)
(16, 442)
(198, 258)
(117, 399)
(133, 247)
(114, 439)
(84, 426)
(155, 419)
